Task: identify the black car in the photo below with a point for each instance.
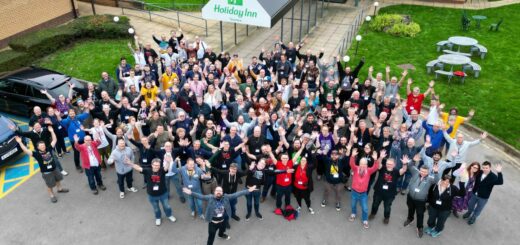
(8, 145)
(20, 90)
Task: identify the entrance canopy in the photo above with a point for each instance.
(264, 13)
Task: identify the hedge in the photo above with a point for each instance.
(44, 42)
(12, 60)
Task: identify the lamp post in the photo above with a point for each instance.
(358, 39)
(367, 20)
(376, 4)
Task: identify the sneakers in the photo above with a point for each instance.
(299, 209)
(225, 237)
(64, 173)
(121, 195)
(248, 216)
(63, 190)
(371, 216)
(235, 217)
(79, 169)
(132, 189)
(403, 192)
(95, 192)
(386, 221)
(407, 222)
(311, 210)
(338, 207)
(352, 218)
(349, 188)
(157, 222)
(172, 219)
(192, 214)
(435, 233)
(420, 232)
(318, 177)
(466, 215)
(259, 216)
(202, 217)
(323, 203)
(456, 214)
(428, 230)
(102, 187)
(365, 225)
(54, 199)
(471, 220)
(262, 200)
(278, 211)
(183, 200)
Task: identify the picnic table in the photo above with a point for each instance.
(453, 60)
(478, 18)
(462, 41)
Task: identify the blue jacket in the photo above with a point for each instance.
(212, 202)
(192, 183)
(436, 138)
(73, 126)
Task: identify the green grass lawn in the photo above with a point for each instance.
(87, 59)
(184, 5)
(494, 95)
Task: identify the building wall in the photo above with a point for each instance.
(21, 16)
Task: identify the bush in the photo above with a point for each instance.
(12, 60)
(402, 29)
(44, 42)
(383, 21)
(395, 24)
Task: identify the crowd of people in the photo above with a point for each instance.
(216, 128)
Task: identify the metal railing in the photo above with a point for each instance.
(174, 5)
(178, 18)
(353, 29)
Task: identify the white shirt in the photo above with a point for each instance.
(98, 134)
(129, 81)
(92, 158)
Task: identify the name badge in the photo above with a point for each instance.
(360, 143)
(219, 215)
(59, 127)
(257, 150)
(417, 190)
(411, 107)
(190, 186)
(271, 168)
(77, 130)
(155, 188)
(66, 113)
(335, 175)
(438, 202)
(126, 117)
(300, 182)
(49, 166)
(224, 165)
(196, 176)
(385, 187)
(286, 179)
(145, 160)
(366, 97)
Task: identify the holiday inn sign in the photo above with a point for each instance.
(247, 12)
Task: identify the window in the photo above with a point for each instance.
(35, 93)
(19, 88)
(6, 86)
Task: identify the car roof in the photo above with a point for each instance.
(41, 77)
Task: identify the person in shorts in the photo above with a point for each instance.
(50, 173)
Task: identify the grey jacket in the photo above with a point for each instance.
(428, 161)
(461, 149)
(212, 202)
(119, 156)
(418, 190)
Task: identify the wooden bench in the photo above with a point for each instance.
(481, 50)
(442, 44)
(473, 67)
(449, 74)
(433, 63)
(447, 51)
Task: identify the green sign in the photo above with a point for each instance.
(235, 2)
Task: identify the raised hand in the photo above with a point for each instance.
(18, 139)
(382, 154)
(431, 83)
(498, 167)
(354, 152)
(417, 157)
(483, 135)
(405, 159)
(374, 155)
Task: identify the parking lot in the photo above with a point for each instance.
(28, 217)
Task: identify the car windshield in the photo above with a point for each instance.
(62, 89)
(5, 131)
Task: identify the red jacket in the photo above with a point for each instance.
(284, 179)
(83, 153)
(360, 183)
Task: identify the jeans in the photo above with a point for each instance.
(233, 204)
(403, 181)
(94, 173)
(475, 206)
(437, 218)
(195, 204)
(387, 203)
(283, 191)
(177, 182)
(363, 199)
(255, 195)
(212, 231)
(269, 181)
(163, 199)
(121, 178)
(416, 207)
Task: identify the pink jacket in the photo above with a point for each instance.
(359, 183)
(83, 153)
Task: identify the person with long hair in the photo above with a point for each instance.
(467, 175)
